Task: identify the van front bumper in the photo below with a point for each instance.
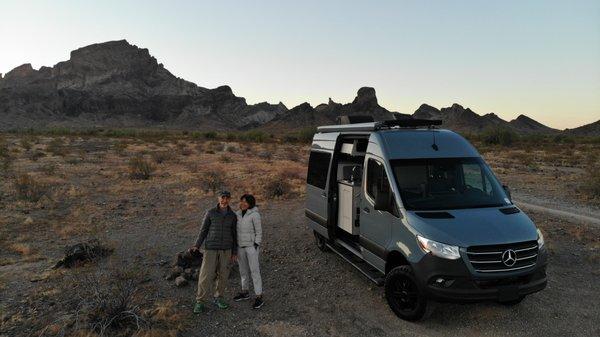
(453, 281)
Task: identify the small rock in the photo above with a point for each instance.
(175, 271)
(180, 281)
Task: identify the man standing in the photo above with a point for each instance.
(219, 235)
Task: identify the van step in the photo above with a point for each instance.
(365, 268)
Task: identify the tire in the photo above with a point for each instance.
(404, 295)
(513, 302)
(321, 242)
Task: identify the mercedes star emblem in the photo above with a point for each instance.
(509, 257)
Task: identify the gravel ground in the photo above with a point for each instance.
(310, 293)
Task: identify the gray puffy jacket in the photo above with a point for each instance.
(219, 230)
(249, 229)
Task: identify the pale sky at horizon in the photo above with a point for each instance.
(538, 58)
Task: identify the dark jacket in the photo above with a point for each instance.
(219, 230)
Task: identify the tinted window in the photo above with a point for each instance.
(318, 167)
(447, 183)
(377, 182)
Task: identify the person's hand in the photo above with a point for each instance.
(193, 249)
(233, 258)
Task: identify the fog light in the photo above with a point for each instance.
(439, 281)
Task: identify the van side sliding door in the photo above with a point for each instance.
(317, 199)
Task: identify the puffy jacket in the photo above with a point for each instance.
(249, 229)
(219, 230)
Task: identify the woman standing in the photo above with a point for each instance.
(249, 235)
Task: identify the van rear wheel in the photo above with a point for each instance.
(403, 294)
(321, 242)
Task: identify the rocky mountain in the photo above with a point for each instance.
(592, 129)
(458, 118)
(116, 84)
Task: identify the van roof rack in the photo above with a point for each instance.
(354, 119)
(407, 123)
(381, 125)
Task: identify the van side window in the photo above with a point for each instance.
(318, 167)
(376, 179)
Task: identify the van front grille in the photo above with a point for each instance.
(503, 258)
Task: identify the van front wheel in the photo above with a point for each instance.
(403, 295)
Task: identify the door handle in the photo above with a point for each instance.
(366, 210)
(323, 194)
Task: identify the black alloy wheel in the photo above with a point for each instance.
(403, 295)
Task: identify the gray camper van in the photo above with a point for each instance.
(416, 208)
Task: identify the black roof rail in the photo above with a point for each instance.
(407, 123)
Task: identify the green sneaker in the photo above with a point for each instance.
(221, 303)
(198, 308)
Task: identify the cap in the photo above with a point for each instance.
(225, 194)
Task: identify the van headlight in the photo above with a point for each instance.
(540, 239)
(438, 249)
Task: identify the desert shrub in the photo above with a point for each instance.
(591, 181)
(205, 135)
(231, 149)
(111, 304)
(57, 147)
(293, 155)
(140, 169)
(26, 144)
(212, 181)
(277, 187)
(36, 155)
(160, 157)
(499, 136)
(224, 158)
(5, 156)
(186, 151)
(266, 155)
(48, 169)
(30, 189)
(73, 160)
(254, 136)
(304, 135)
(120, 147)
(216, 146)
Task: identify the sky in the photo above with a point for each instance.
(538, 58)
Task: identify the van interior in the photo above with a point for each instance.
(347, 173)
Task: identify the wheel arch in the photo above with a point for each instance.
(395, 259)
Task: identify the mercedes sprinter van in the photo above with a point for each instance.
(415, 208)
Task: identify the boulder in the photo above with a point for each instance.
(180, 281)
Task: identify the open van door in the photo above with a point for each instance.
(317, 195)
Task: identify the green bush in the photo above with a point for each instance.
(499, 136)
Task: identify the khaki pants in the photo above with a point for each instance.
(215, 265)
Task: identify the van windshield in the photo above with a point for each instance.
(447, 183)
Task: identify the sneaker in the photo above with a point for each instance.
(258, 302)
(242, 296)
(198, 308)
(221, 303)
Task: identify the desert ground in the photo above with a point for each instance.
(142, 197)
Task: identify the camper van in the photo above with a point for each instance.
(417, 210)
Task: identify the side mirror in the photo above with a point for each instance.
(507, 190)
